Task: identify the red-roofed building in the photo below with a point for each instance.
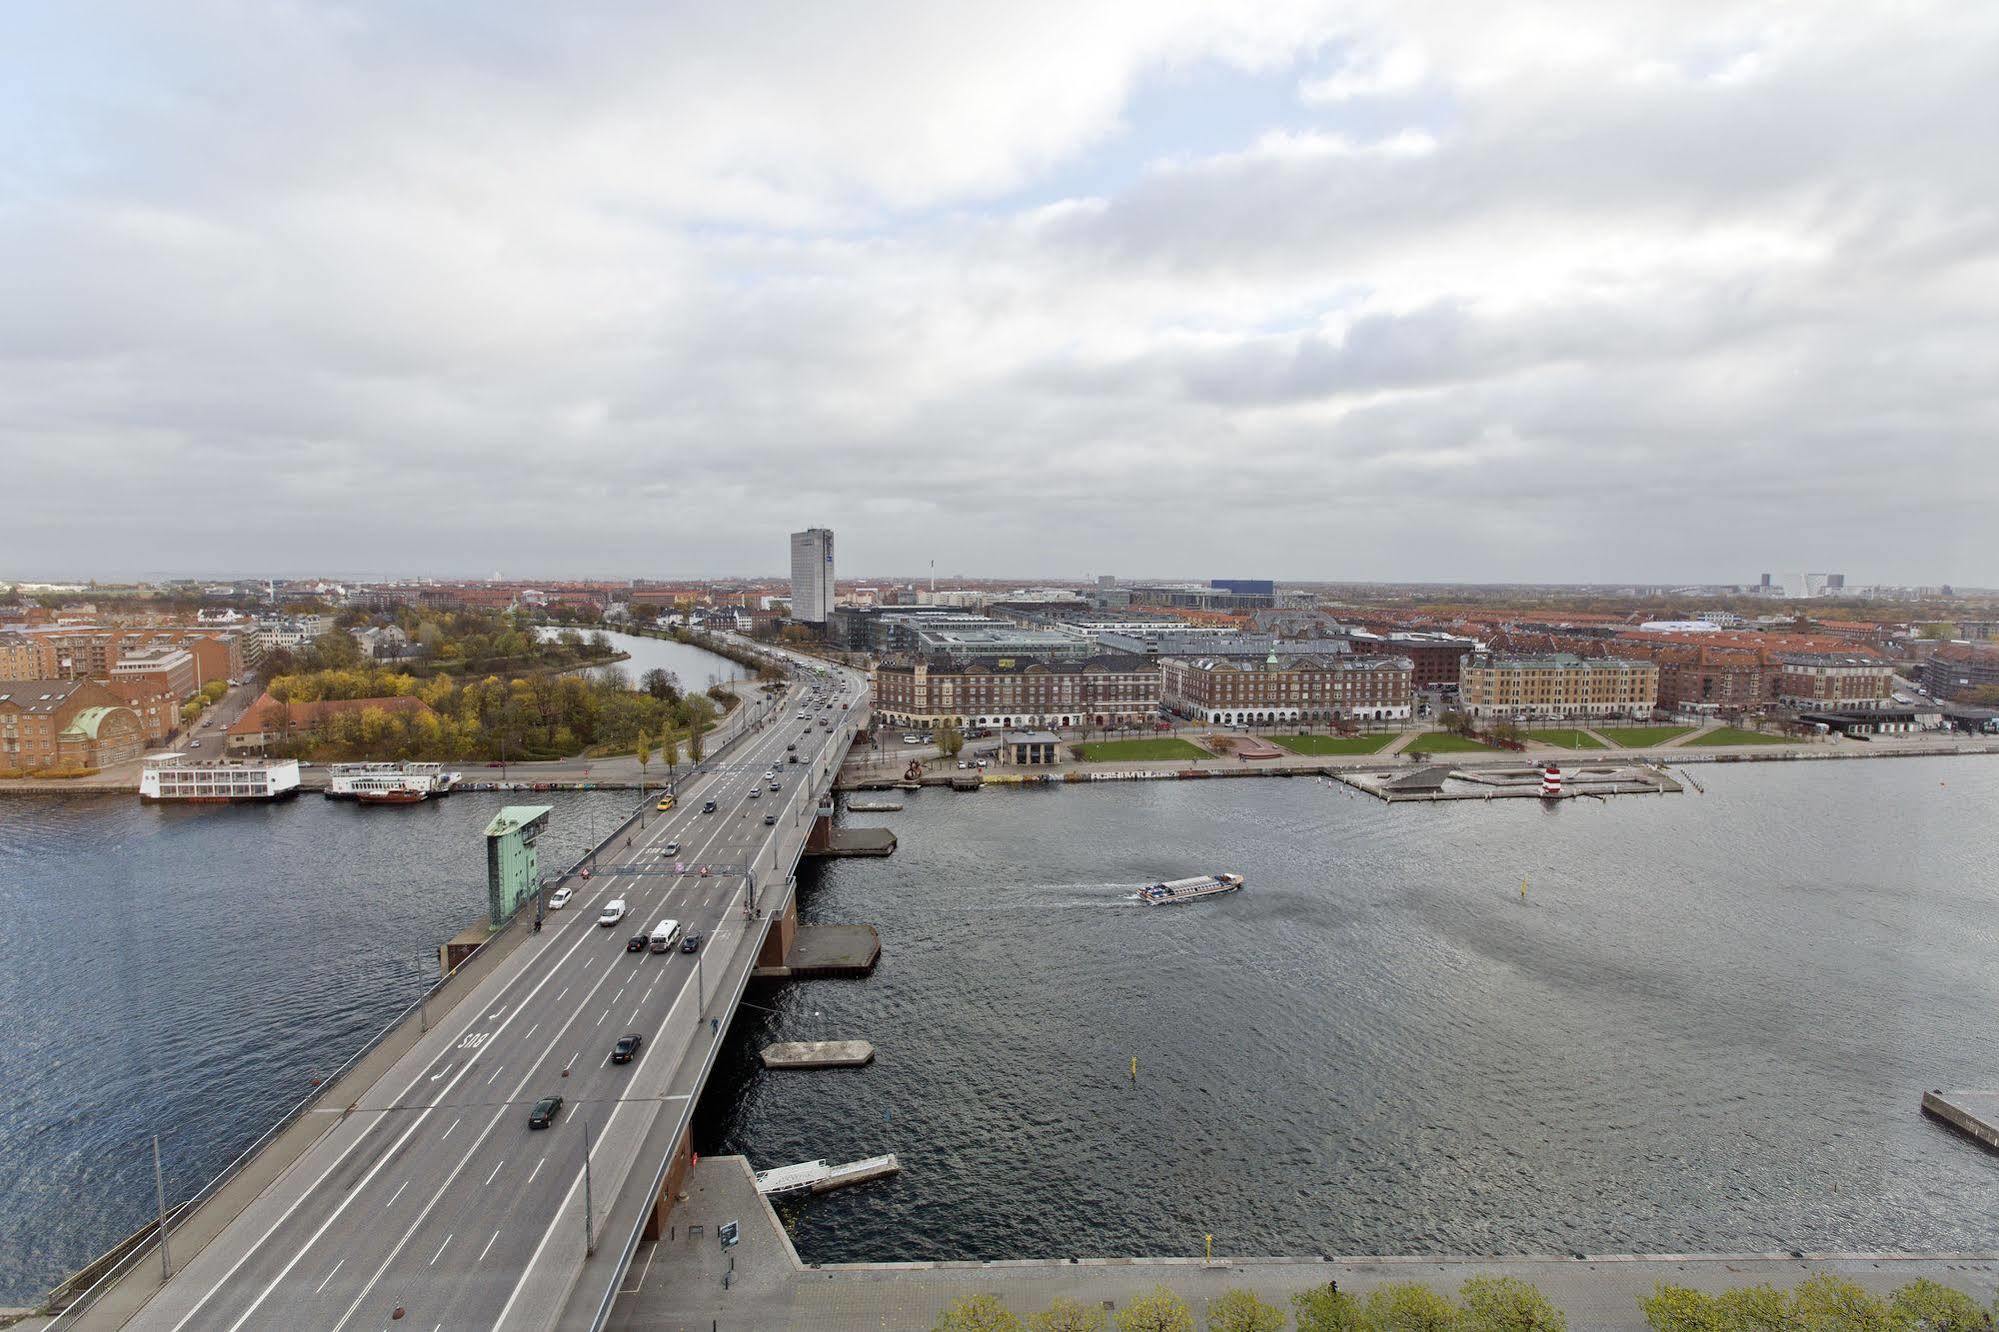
(268, 721)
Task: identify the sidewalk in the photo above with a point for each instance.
(680, 1282)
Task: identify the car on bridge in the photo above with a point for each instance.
(670, 849)
(561, 898)
(544, 1112)
(692, 943)
(635, 944)
(627, 1046)
(708, 807)
(770, 820)
(613, 912)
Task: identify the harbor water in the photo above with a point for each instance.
(1706, 1025)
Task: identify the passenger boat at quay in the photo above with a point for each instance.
(1188, 890)
(389, 783)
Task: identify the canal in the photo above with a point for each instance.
(696, 668)
(1706, 1026)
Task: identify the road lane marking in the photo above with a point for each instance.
(537, 1169)
(489, 1244)
(447, 1132)
(565, 990)
(496, 1171)
(496, 1075)
(532, 1030)
(328, 1277)
(440, 1251)
(397, 1194)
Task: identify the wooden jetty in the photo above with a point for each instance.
(1975, 1114)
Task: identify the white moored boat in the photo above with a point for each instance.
(388, 783)
(1188, 890)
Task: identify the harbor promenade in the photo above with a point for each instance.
(688, 1281)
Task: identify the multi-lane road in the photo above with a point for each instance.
(431, 1203)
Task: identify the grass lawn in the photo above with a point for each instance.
(1444, 742)
(1132, 751)
(1567, 739)
(1642, 737)
(1730, 735)
(1330, 744)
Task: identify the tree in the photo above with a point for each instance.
(1933, 1307)
(950, 739)
(1066, 1315)
(696, 728)
(643, 753)
(1158, 1310)
(978, 1313)
(1405, 1306)
(1327, 1308)
(1241, 1311)
(1508, 1304)
(661, 684)
(1827, 1303)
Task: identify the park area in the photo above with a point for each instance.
(1153, 750)
(1641, 737)
(1735, 735)
(1331, 744)
(1446, 742)
(1566, 737)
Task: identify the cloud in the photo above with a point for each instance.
(1693, 290)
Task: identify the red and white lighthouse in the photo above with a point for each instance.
(1551, 783)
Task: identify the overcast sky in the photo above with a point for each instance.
(1544, 292)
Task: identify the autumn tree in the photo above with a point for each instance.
(978, 1313)
(1158, 1310)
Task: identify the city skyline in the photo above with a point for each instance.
(1350, 291)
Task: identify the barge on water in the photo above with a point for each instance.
(1188, 890)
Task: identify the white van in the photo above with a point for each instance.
(613, 912)
(665, 935)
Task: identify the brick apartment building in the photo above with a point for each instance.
(159, 670)
(26, 657)
(1434, 660)
(1697, 678)
(44, 723)
(1234, 691)
(1829, 682)
(1016, 692)
(1959, 671)
(1557, 685)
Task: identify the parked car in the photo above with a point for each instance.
(963, 764)
(561, 898)
(691, 943)
(627, 1046)
(544, 1112)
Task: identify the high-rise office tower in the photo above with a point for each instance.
(811, 574)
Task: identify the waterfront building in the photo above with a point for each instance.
(1238, 691)
(811, 575)
(1016, 692)
(43, 723)
(176, 777)
(1557, 685)
(1823, 681)
(1961, 672)
(1031, 748)
(1699, 678)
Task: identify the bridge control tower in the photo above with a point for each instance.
(513, 869)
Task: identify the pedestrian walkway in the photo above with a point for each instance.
(691, 1282)
(1680, 741)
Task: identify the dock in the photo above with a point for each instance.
(1975, 1114)
(818, 1177)
(821, 951)
(818, 1054)
(831, 842)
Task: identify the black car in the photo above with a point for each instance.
(788, 747)
(770, 820)
(793, 758)
(635, 944)
(691, 942)
(544, 1112)
(708, 807)
(627, 1046)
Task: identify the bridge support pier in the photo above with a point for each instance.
(676, 1175)
(777, 943)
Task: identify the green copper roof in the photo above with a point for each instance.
(514, 817)
(87, 722)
